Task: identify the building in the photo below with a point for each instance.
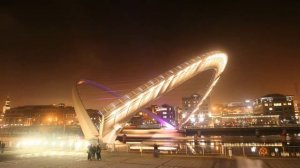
(45, 115)
(6, 105)
(144, 120)
(276, 104)
(189, 104)
(237, 108)
(297, 111)
(5, 108)
(178, 116)
(166, 112)
(137, 119)
(240, 114)
(34, 115)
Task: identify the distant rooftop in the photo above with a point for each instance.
(275, 95)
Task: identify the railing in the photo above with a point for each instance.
(169, 148)
(220, 150)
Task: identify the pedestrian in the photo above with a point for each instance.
(94, 150)
(124, 138)
(2, 147)
(98, 152)
(90, 150)
(155, 150)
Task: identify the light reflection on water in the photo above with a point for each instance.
(175, 143)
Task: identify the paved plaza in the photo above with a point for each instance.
(60, 159)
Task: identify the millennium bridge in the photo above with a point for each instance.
(117, 113)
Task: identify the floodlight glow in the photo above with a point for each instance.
(253, 149)
(201, 119)
(123, 109)
(193, 119)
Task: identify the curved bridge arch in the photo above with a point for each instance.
(121, 110)
(80, 107)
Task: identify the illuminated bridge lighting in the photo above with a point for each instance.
(117, 113)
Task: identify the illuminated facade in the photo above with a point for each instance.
(240, 114)
(138, 119)
(297, 107)
(6, 105)
(117, 113)
(45, 115)
(166, 112)
(237, 108)
(37, 115)
(143, 120)
(276, 104)
(5, 108)
(246, 121)
(190, 104)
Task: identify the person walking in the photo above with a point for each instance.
(2, 147)
(155, 150)
(90, 151)
(94, 152)
(98, 152)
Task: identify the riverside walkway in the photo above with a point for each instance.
(62, 159)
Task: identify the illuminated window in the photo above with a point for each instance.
(289, 98)
(270, 108)
(164, 112)
(164, 116)
(284, 104)
(277, 104)
(289, 104)
(266, 104)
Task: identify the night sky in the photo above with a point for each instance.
(45, 47)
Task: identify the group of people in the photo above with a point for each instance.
(2, 146)
(94, 152)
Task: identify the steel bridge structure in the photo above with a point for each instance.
(120, 111)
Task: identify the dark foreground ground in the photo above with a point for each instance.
(63, 159)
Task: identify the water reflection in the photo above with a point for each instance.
(271, 146)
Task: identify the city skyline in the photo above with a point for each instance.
(47, 47)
